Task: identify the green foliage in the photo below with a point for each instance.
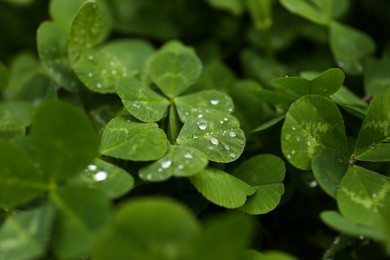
(134, 132)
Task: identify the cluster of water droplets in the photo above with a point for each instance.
(98, 175)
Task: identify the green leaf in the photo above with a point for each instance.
(216, 133)
(86, 30)
(324, 84)
(312, 123)
(24, 235)
(350, 47)
(15, 116)
(135, 141)
(106, 177)
(203, 101)
(100, 69)
(141, 101)
(4, 76)
(64, 12)
(22, 69)
(329, 166)
(328, 82)
(265, 173)
(174, 125)
(307, 9)
(268, 124)
(297, 85)
(233, 6)
(350, 102)
(52, 50)
(376, 77)
(64, 139)
(222, 188)
(174, 71)
(19, 180)
(363, 196)
(81, 212)
(374, 136)
(38, 89)
(180, 161)
(224, 237)
(149, 228)
(334, 220)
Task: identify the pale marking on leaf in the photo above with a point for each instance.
(383, 126)
(369, 202)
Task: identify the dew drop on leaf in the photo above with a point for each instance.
(214, 102)
(99, 85)
(227, 147)
(100, 176)
(166, 164)
(90, 57)
(200, 116)
(180, 166)
(232, 134)
(214, 140)
(202, 126)
(313, 184)
(92, 167)
(188, 155)
(233, 155)
(136, 104)
(90, 74)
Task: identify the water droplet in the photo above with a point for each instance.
(193, 110)
(230, 110)
(336, 241)
(293, 152)
(180, 166)
(200, 116)
(194, 136)
(188, 155)
(293, 128)
(233, 155)
(214, 102)
(166, 164)
(288, 156)
(136, 104)
(374, 195)
(159, 169)
(90, 57)
(313, 184)
(232, 134)
(373, 145)
(286, 76)
(227, 147)
(99, 85)
(361, 237)
(114, 72)
(225, 119)
(100, 176)
(92, 167)
(214, 140)
(287, 137)
(202, 126)
(221, 122)
(90, 74)
(149, 176)
(298, 139)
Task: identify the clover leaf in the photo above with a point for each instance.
(216, 133)
(141, 101)
(136, 141)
